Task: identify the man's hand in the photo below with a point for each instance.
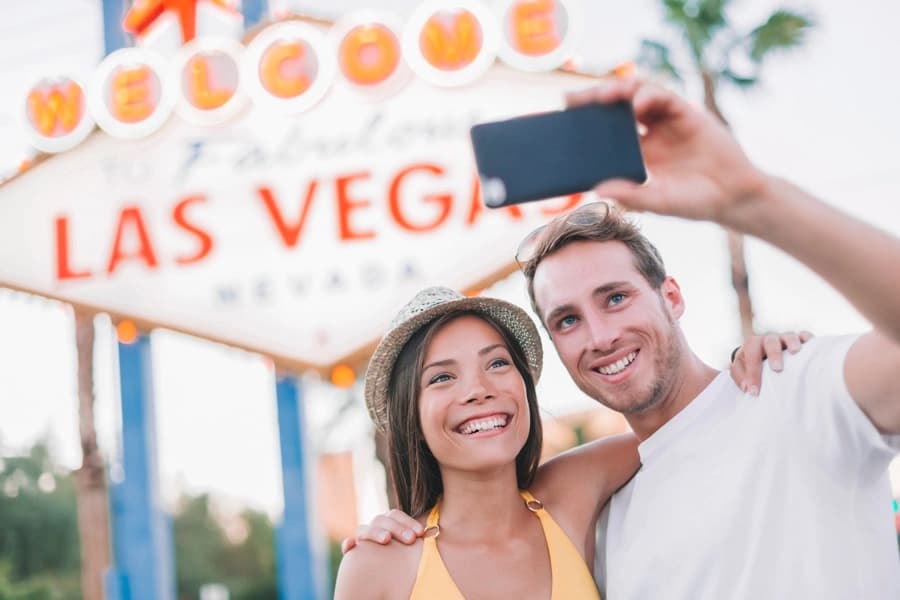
(392, 525)
(746, 368)
(696, 168)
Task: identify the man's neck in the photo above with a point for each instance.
(692, 377)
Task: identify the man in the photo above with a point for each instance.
(781, 496)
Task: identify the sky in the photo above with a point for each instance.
(825, 116)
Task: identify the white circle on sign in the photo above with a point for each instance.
(318, 57)
(396, 79)
(225, 55)
(478, 66)
(100, 94)
(58, 140)
(567, 11)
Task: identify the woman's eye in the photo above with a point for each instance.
(440, 378)
(616, 299)
(499, 362)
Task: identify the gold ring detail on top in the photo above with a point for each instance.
(534, 505)
(432, 532)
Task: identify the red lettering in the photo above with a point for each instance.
(206, 243)
(476, 206)
(445, 201)
(289, 232)
(570, 203)
(131, 217)
(346, 205)
(63, 269)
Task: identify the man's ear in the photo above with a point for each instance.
(672, 298)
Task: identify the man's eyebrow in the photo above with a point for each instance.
(559, 310)
(598, 291)
(608, 287)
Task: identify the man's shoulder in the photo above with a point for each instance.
(820, 361)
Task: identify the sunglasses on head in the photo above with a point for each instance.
(586, 214)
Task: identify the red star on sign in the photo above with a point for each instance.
(143, 13)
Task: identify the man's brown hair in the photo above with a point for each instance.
(586, 223)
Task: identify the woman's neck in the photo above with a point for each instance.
(481, 505)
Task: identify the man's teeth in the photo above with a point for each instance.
(483, 425)
(618, 365)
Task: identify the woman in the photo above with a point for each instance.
(452, 384)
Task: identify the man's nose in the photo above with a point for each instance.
(603, 333)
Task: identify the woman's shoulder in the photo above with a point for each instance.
(374, 570)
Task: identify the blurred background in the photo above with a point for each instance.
(809, 88)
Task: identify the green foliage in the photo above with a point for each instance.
(654, 55)
(39, 543)
(698, 21)
(740, 81)
(203, 553)
(781, 31)
(714, 44)
(39, 551)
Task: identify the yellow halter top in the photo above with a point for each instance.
(571, 579)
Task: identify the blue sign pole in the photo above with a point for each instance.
(114, 36)
(254, 12)
(295, 549)
(142, 537)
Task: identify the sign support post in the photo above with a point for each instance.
(142, 537)
(295, 548)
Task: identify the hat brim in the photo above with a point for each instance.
(381, 365)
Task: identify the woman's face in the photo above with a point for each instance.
(472, 406)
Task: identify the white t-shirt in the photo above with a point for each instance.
(785, 495)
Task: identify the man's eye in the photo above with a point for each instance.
(567, 321)
(616, 299)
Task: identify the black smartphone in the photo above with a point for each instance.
(557, 153)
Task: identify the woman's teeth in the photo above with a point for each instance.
(483, 425)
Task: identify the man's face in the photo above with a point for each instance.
(616, 335)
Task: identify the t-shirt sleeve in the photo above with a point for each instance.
(814, 391)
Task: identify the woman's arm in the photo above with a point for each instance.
(377, 572)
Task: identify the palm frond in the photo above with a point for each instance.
(741, 81)
(781, 31)
(698, 21)
(711, 13)
(655, 57)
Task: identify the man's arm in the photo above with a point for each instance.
(858, 260)
(698, 171)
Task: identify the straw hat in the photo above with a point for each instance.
(425, 307)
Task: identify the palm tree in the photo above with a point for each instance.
(93, 513)
(716, 49)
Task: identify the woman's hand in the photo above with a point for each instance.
(747, 360)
